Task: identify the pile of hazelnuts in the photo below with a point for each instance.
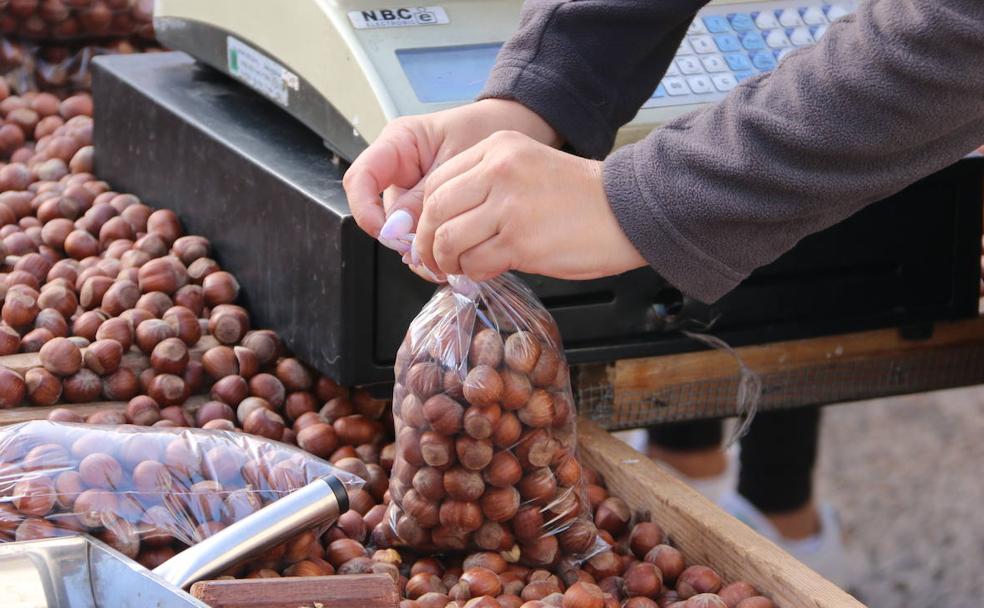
(73, 19)
(149, 494)
(485, 437)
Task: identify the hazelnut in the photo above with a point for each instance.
(538, 487)
(81, 387)
(521, 352)
(508, 431)
(59, 298)
(20, 307)
(267, 386)
(168, 389)
(424, 379)
(121, 385)
(143, 410)
(538, 411)
(696, 580)
(293, 374)
(220, 361)
(604, 564)
(103, 356)
(444, 414)
(318, 439)
(578, 537)
(527, 524)
(230, 390)
(154, 302)
(51, 321)
(152, 477)
(643, 579)
(613, 515)
(736, 592)
(423, 511)
(170, 356)
(462, 484)
(152, 332)
(107, 417)
(429, 484)
(220, 287)
(411, 411)
(342, 550)
(227, 323)
(757, 601)
(190, 248)
(500, 504)
(9, 340)
(356, 429)
(200, 268)
(93, 290)
(68, 486)
(705, 600)
(164, 274)
(481, 582)
(583, 595)
(460, 516)
(34, 496)
(473, 453)
(165, 223)
(118, 329)
(435, 449)
(43, 387)
(299, 403)
(536, 449)
(12, 389)
(644, 536)
(267, 347)
(248, 405)
(516, 389)
(183, 458)
(482, 386)
(486, 348)
(265, 423)
(86, 324)
(35, 339)
(122, 295)
(425, 583)
(101, 471)
(64, 414)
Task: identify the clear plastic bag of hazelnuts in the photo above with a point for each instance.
(485, 421)
(147, 492)
(74, 20)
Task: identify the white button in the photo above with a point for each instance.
(724, 82)
(790, 17)
(801, 36)
(819, 31)
(814, 16)
(675, 86)
(836, 12)
(703, 44)
(685, 48)
(714, 63)
(766, 20)
(777, 39)
(697, 27)
(700, 84)
(689, 65)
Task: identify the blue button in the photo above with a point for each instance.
(727, 42)
(744, 75)
(742, 22)
(763, 60)
(716, 24)
(752, 41)
(738, 61)
(660, 91)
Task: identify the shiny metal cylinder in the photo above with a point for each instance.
(319, 502)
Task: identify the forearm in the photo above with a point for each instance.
(587, 66)
(885, 98)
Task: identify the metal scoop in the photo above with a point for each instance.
(82, 572)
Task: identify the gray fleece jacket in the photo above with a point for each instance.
(889, 95)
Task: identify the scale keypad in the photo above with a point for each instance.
(727, 44)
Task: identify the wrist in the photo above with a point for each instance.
(514, 116)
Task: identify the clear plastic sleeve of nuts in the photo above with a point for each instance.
(148, 492)
(485, 421)
(76, 19)
(58, 68)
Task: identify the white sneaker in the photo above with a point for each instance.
(712, 488)
(824, 553)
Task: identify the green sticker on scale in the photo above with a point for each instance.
(259, 72)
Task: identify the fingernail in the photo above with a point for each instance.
(414, 256)
(397, 225)
(395, 245)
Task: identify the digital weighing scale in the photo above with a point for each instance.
(345, 68)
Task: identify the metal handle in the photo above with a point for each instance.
(321, 501)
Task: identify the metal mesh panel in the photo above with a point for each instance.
(832, 382)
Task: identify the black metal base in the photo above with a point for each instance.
(262, 187)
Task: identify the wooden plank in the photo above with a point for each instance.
(17, 415)
(135, 359)
(340, 591)
(703, 532)
(653, 373)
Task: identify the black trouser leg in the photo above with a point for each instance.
(777, 459)
(687, 436)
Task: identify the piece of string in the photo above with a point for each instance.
(749, 392)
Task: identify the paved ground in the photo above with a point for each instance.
(908, 477)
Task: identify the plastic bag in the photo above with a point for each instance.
(76, 19)
(486, 442)
(142, 489)
(58, 68)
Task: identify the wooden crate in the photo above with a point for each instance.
(702, 531)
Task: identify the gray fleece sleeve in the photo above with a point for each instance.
(889, 95)
(586, 66)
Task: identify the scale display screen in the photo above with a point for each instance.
(448, 73)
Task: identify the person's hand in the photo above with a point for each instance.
(409, 148)
(512, 203)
